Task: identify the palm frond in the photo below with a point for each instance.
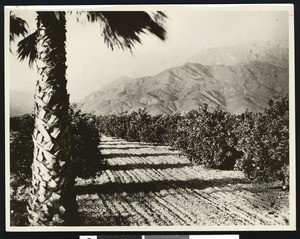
(18, 27)
(27, 48)
(123, 28)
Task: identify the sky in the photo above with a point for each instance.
(92, 65)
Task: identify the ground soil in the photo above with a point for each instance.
(144, 185)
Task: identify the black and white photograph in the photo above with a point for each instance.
(150, 118)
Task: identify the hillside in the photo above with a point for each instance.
(272, 52)
(180, 89)
(244, 76)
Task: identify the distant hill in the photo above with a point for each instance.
(272, 52)
(240, 77)
(237, 87)
(20, 103)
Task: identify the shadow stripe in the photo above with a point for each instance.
(145, 166)
(155, 186)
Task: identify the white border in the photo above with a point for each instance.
(229, 7)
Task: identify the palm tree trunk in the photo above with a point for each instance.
(52, 199)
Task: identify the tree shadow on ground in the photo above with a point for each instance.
(127, 148)
(143, 155)
(123, 142)
(155, 186)
(90, 169)
(104, 220)
(120, 143)
(145, 166)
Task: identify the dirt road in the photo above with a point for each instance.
(146, 185)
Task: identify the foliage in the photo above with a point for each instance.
(23, 123)
(21, 154)
(50, 37)
(17, 27)
(84, 144)
(205, 137)
(84, 151)
(21, 146)
(264, 138)
(19, 196)
(256, 143)
(136, 126)
(115, 34)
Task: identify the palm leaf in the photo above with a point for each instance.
(123, 28)
(27, 48)
(18, 27)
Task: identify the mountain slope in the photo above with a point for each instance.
(272, 52)
(246, 85)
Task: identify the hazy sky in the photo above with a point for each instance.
(91, 64)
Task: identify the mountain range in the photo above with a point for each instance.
(272, 52)
(237, 78)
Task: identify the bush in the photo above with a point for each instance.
(22, 123)
(133, 127)
(119, 123)
(84, 148)
(256, 143)
(85, 140)
(207, 138)
(264, 138)
(171, 123)
(19, 196)
(21, 153)
(21, 146)
(84, 151)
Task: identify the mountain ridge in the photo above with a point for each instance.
(187, 87)
(274, 52)
(240, 77)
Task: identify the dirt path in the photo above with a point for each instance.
(152, 185)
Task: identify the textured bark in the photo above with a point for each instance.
(52, 199)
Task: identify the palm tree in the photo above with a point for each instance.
(18, 27)
(52, 197)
